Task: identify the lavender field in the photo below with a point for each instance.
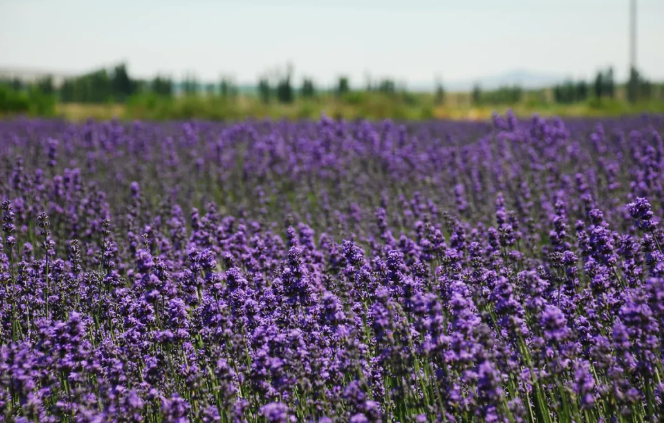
(326, 271)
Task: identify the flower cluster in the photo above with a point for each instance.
(332, 271)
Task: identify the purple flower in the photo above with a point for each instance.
(175, 409)
(640, 211)
(276, 412)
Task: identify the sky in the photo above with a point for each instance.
(412, 41)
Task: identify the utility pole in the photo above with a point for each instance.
(632, 38)
(633, 79)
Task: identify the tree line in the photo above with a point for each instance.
(604, 86)
(116, 85)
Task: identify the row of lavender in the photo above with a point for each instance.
(332, 271)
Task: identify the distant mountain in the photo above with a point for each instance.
(524, 78)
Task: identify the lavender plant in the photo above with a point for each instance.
(332, 271)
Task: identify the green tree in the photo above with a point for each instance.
(264, 90)
(284, 87)
(440, 93)
(190, 85)
(31, 101)
(17, 84)
(45, 85)
(633, 85)
(11, 100)
(566, 93)
(581, 90)
(609, 86)
(387, 86)
(343, 86)
(162, 86)
(67, 91)
(645, 89)
(308, 89)
(557, 94)
(226, 88)
(569, 88)
(100, 87)
(122, 85)
(599, 85)
(476, 94)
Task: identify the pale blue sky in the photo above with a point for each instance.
(411, 40)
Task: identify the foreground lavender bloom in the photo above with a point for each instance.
(640, 210)
(276, 413)
(332, 271)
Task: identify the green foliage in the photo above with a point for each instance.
(572, 92)
(503, 95)
(599, 85)
(153, 107)
(343, 86)
(354, 97)
(440, 94)
(476, 94)
(100, 86)
(387, 86)
(308, 89)
(581, 90)
(355, 105)
(409, 98)
(122, 86)
(604, 85)
(609, 86)
(264, 90)
(31, 101)
(12, 101)
(285, 89)
(426, 113)
(45, 85)
(17, 84)
(307, 111)
(227, 89)
(156, 99)
(190, 85)
(638, 88)
(93, 88)
(162, 86)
